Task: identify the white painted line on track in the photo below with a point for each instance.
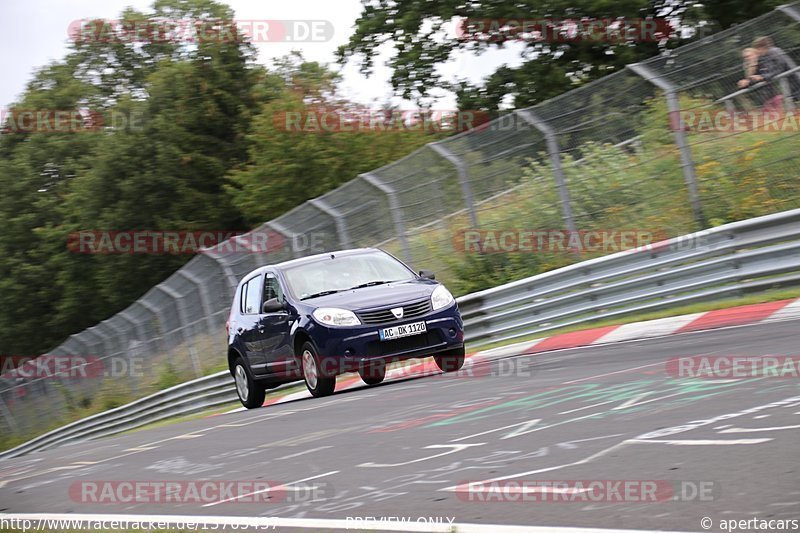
(493, 430)
(660, 363)
(298, 454)
(700, 442)
(277, 487)
(310, 523)
(756, 430)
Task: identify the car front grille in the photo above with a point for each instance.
(385, 316)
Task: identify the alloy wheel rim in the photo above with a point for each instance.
(310, 369)
(241, 383)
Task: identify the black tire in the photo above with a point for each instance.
(317, 383)
(450, 361)
(373, 374)
(251, 393)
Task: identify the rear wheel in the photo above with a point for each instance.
(317, 382)
(250, 392)
(451, 360)
(374, 373)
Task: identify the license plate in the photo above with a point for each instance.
(402, 331)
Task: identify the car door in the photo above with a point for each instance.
(248, 324)
(278, 350)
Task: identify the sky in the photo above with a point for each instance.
(35, 33)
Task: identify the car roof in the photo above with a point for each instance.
(312, 259)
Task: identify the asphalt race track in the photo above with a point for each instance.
(727, 448)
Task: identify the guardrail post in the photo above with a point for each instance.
(394, 207)
(187, 338)
(687, 164)
(463, 178)
(338, 218)
(558, 171)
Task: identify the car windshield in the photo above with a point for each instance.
(345, 272)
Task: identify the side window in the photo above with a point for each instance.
(272, 288)
(243, 297)
(252, 296)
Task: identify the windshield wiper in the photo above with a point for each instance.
(322, 293)
(369, 284)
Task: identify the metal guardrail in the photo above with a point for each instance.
(743, 256)
(186, 398)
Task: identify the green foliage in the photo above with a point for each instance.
(168, 376)
(417, 29)
(639, 186)
(190, 145)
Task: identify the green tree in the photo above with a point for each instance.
(417, 32)
(286, 166)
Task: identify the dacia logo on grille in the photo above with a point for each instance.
(397, 312)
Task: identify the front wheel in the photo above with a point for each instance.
(250, 392)
(450, 361)
(317, 382)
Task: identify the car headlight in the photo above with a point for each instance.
(331, 316)
(441, 297)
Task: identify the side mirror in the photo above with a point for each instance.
(427, 274)
(273, 305)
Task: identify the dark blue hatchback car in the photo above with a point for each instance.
(320, 316)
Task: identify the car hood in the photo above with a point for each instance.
(379, 296)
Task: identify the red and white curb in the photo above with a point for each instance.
(733, 316)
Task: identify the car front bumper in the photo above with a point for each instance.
(350, 348)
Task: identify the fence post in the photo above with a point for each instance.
(687, 164)
(162, 322)
(205, 300)
(558, 171)
(338, 218)
(791, 11)
(394, 207)
(233, 281)
(287, 233)
(463, 178)
(94, 330)
(12, 424)
(138, 326)
(187, 338)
